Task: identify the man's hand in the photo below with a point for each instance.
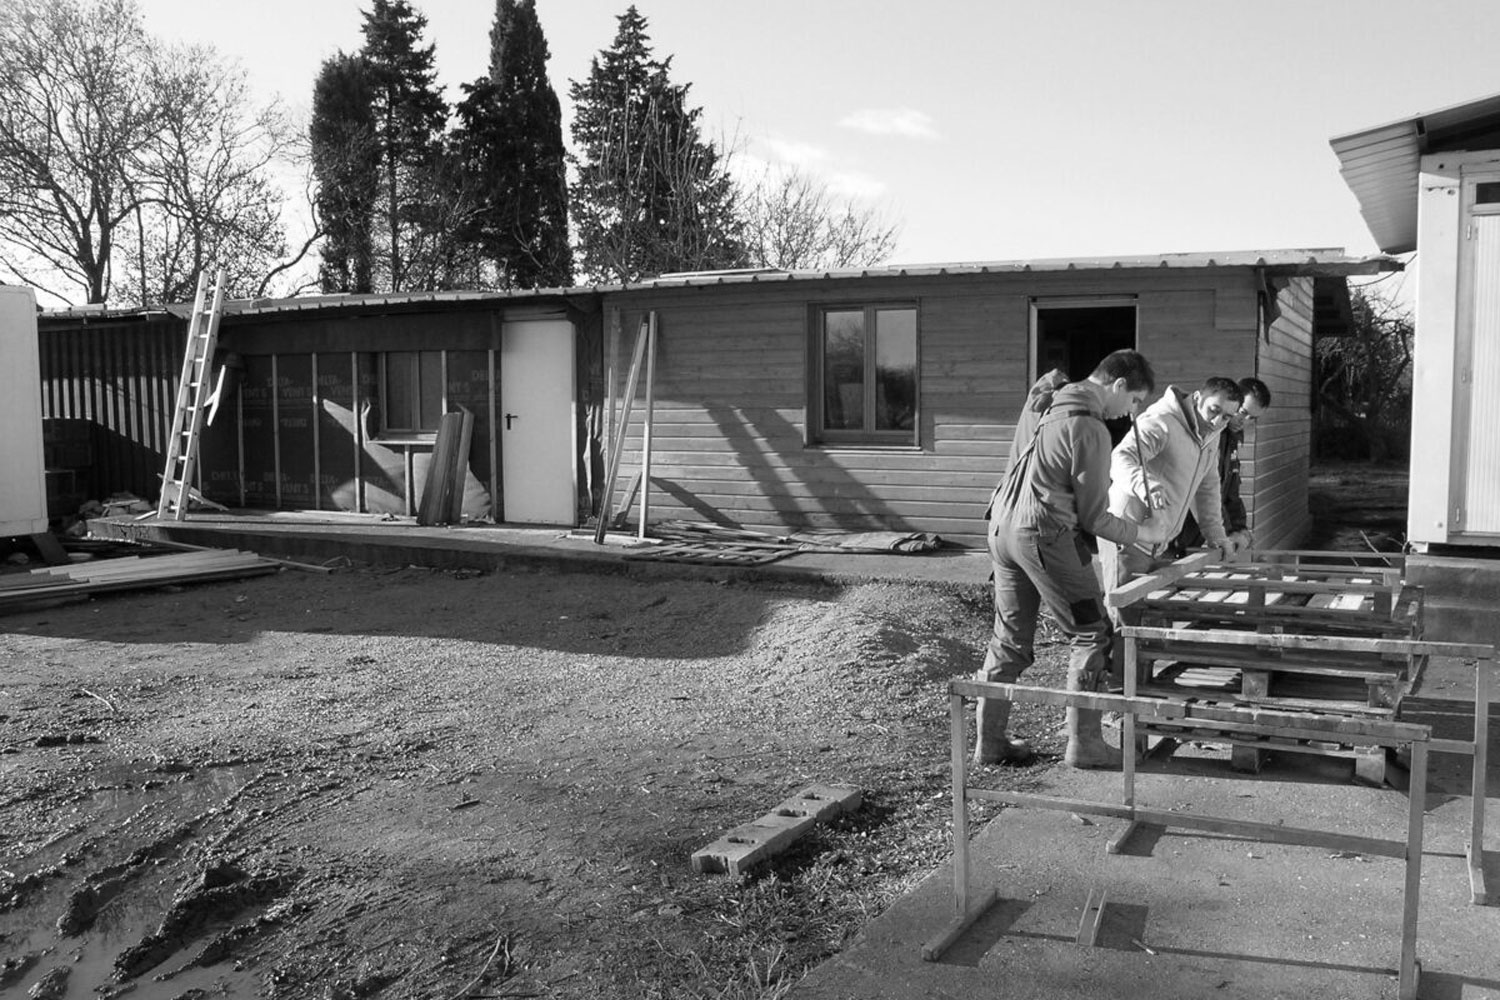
(1242, 540)
(1223, 549)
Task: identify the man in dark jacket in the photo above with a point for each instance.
(1236, 521)
(1042, 520)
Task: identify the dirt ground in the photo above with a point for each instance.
(425, 784)
(1358, 506)
(403, 783)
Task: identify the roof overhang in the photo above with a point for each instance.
(1323, 262)
(1381, 164)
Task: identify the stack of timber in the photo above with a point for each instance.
(443, 493)
(61, 583)
(1297, 593)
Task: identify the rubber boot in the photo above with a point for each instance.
(1086, 746)
(991, 745)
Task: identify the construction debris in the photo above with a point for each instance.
(58, 583)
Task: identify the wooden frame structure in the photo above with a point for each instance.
(968, 907)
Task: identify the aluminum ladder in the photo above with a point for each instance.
(192, 399)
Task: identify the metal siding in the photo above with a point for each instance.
(118, 377)
(1482, 478)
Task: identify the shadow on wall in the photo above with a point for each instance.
(833, 497)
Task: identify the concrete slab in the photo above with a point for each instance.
(1193, 915)
(320, 536)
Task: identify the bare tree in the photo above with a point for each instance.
(211, 200)
(121, 158)
(794, 222)
(1364, 380)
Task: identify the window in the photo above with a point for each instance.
(413, 391)
(867, 375)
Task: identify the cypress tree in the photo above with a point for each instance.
(346, 164)
(652, 195)
(510, 140)
(409, 115)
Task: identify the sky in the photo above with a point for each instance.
(988, 129)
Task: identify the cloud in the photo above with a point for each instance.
(776, 156)
(862, 187)
(906, 122)
(795, 153)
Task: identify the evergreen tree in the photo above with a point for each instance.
(346, 164)
(409, 115)
(652, 195)
(510, 141)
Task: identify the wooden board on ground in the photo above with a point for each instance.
(715, 553)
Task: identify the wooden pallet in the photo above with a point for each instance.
(715, 553)
(1295, 593)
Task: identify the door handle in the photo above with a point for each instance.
(508, 418)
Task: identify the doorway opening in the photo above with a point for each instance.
(1074, 335)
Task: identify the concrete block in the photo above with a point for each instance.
(752, 843)
(822, 802)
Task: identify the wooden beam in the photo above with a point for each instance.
(1133, 591)
(1291, 641)
(1193, 712)
(1251, 829)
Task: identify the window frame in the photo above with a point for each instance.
(390, 431)
(819, 434)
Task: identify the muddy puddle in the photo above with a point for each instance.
(127, 896)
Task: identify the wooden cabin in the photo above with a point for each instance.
(877, 400)
(886, 399)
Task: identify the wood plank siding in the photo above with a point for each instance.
(1277, 452)
(730, 436)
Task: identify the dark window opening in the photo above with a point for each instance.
(1076, 338)
(413, 398)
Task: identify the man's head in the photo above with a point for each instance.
(1218, 401)
(1127, 379)
(1257, 401)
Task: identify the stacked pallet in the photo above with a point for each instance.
(57, 583)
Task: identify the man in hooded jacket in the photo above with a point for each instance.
(1043, 518)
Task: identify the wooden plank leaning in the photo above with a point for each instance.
(617, 444)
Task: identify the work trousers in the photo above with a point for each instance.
(1120, 564)
(1035, 567)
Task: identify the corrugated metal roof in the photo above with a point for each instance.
(1331, 262)
(1381, 164)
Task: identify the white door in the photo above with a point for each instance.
(1478, 489)
(536, 422)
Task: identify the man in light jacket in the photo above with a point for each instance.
(1165, 467)
(1236, 519)
(1043, 518)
